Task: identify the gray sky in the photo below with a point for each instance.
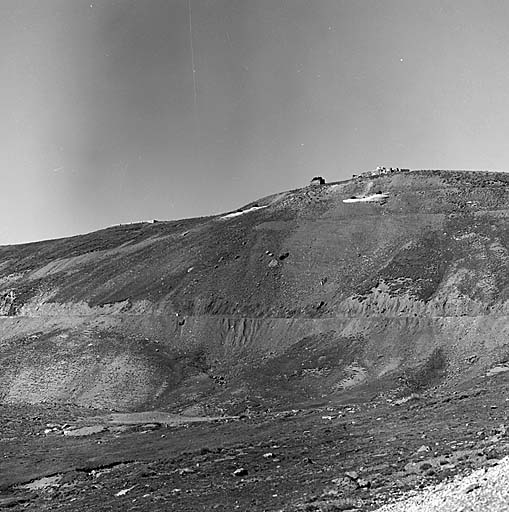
(102, 123)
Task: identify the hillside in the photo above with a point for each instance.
(296, 297)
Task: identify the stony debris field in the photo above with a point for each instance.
(324, 457)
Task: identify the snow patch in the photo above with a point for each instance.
(502, 368)
(123, 492)
(241, 212)
(367, 199)
(42, 483)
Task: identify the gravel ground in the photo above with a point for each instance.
(484, 490)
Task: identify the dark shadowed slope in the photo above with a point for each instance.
(298, 296)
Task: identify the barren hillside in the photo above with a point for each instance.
(296, 297)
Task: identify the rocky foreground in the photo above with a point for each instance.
(324, 457)
(484, 490)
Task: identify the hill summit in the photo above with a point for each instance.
(391, 284)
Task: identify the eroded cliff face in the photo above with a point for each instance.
(301, 296)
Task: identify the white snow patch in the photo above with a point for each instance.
(42, 483)
(497, 369)
(123, 492)
(367, 199)
(241, 212)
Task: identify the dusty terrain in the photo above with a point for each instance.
(324, 457)
(301, 353)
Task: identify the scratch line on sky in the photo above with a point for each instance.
(195, 93)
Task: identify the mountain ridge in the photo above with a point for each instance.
(293, 297)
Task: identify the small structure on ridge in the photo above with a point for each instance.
(317, 180)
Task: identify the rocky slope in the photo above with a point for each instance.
(293, 298)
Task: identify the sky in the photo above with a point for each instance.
(117, 111)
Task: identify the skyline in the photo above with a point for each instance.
(119, 111)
